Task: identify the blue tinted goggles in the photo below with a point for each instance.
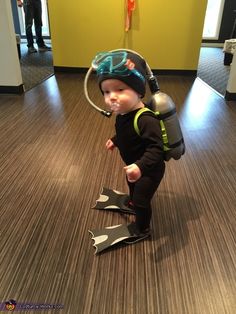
(115, 63)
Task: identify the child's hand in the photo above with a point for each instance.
(110, 145)
(19, 3)
(133, 172)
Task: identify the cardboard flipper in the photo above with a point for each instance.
(109, 236)
(114, 200)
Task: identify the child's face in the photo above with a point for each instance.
(119, 96)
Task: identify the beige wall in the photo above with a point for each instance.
(10, 72)
(167, 33)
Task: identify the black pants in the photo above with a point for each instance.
(141, 193)
(33, 12)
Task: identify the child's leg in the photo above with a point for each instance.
(143, 191)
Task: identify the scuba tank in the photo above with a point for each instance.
(164, 108)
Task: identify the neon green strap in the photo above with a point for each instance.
(137, 115)
(164, 136)
(162, 125)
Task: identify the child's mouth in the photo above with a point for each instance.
(115, 106)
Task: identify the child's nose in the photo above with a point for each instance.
(113, 95)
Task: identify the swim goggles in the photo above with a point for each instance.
(115, 63)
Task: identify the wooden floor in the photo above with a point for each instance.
(52, 166)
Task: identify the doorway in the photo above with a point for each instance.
(35, 67)
(45, 27)
(213, 19)
(211, 68)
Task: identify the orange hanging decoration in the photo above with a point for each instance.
(130, 6)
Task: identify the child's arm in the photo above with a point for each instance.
(150, 133)
(133, 172)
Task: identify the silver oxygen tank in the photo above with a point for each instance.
(165, 109)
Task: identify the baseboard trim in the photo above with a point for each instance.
(230, 96)
(175, 72)
(156, 72)
(213, 45)
(70, 69)
(12, 89)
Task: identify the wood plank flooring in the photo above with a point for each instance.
(52, 166)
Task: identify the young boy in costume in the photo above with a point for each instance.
(122, 81)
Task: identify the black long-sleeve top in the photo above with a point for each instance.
(146, 149)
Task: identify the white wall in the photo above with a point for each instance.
(231, 87)
(10, 71)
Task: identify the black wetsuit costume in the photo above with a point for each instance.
(146, 151)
